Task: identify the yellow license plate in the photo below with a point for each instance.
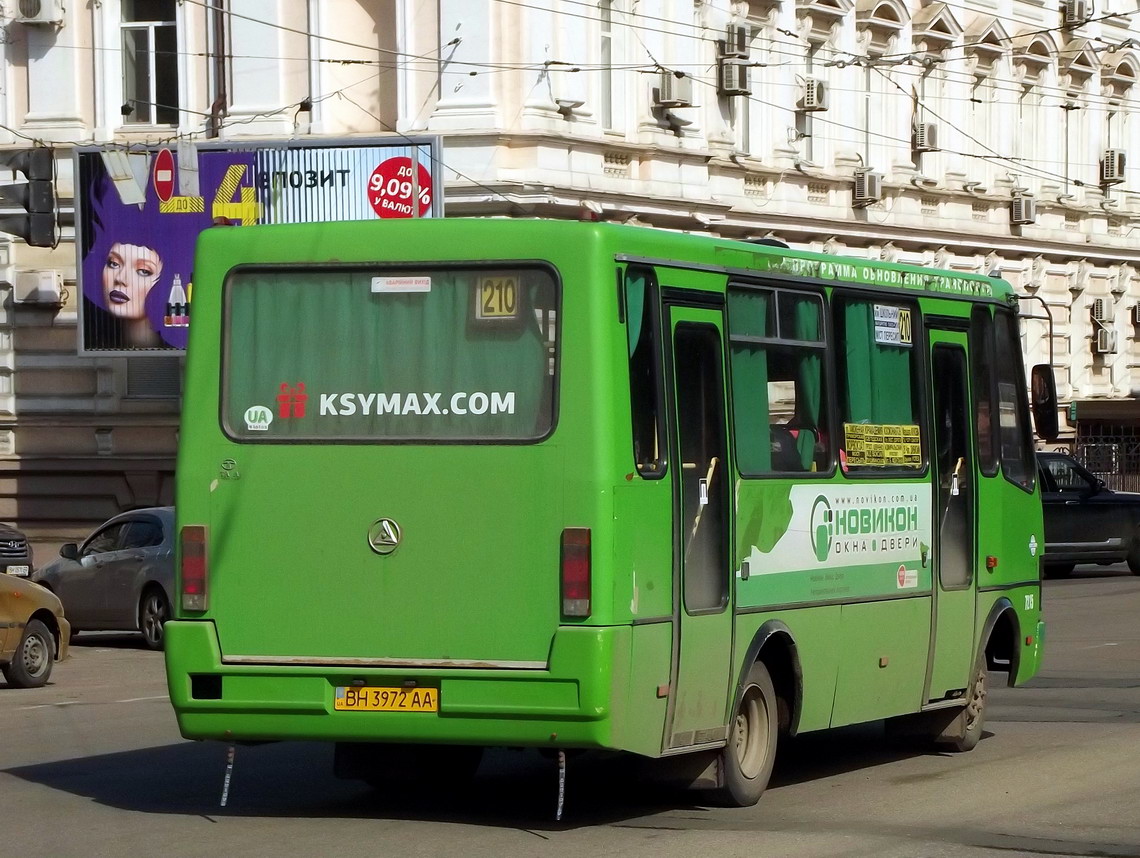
(379, 699)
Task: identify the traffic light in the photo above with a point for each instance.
(36, 196)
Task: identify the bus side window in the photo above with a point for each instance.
(779, 398)
(646, 392)
(982, 363)
(879, 391)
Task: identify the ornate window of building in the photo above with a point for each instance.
(763, 52)
(878, 24)
(935, 31)
(1077, 66)
(144, 75)
(609, 49)
(986, 44)
(1032, 64)
(150, 62)
(818, 22)
(1118, 86)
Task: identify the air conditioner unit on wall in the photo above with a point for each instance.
(1101, 310)
(37, 287)
(925, 137)
(1074, 12)
(732, 78)
(1105, 343)
(868, 187)
(735, 42)
(674, 90)
(39, 11)
(1136, 314)
(815, 95)
(1112, 165)
(1022, 210)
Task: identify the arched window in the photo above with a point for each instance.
(1077, 65)
(818, 23)
(877, 25)
(1119, 86)
(1032, 65)
(986, 44)
(935, 31)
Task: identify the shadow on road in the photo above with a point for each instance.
(514, 789)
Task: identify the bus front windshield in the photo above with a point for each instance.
(355, 354)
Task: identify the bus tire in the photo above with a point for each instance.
(746, 761)
(966, 729)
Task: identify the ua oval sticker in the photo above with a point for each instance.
(258, 418)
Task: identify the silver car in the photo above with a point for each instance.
(121, 577)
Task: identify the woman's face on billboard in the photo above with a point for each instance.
(128, 275)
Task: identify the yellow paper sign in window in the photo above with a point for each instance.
(883, 445)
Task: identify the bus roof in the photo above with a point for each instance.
(468, 238)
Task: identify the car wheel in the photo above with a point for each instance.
(31, 665)
(1134, 557)
(154, 611)
(1060, 570)
(746, 761)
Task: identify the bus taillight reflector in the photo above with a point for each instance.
(193, 567)
(576, 572)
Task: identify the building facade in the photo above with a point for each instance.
(976, 135)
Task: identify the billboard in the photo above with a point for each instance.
(139, 212)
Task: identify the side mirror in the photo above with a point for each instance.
(1043, 390)
(69, 551)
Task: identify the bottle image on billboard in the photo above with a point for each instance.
(177, 311)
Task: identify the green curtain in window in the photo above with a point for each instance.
(748, 316)
(877, 375)
(809, 386)
(332, 333)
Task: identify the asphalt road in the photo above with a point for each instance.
(93, 766)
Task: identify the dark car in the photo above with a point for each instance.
(120, 578)
(15, 554)
(1085, 521)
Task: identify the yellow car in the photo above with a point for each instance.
(33, 632)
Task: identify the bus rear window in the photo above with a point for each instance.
(433, 354)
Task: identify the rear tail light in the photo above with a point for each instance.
(194, 568)
(576, 572)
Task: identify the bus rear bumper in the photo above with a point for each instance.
(565, 705)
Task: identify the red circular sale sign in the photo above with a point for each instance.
(390, 188)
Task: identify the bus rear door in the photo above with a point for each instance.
(702, 515)
(952, 637)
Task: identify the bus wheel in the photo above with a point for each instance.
(967, 727)
(746, 761)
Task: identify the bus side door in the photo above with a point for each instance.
(952, 632)
(702, 517)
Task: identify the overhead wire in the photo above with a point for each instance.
(560, 66)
